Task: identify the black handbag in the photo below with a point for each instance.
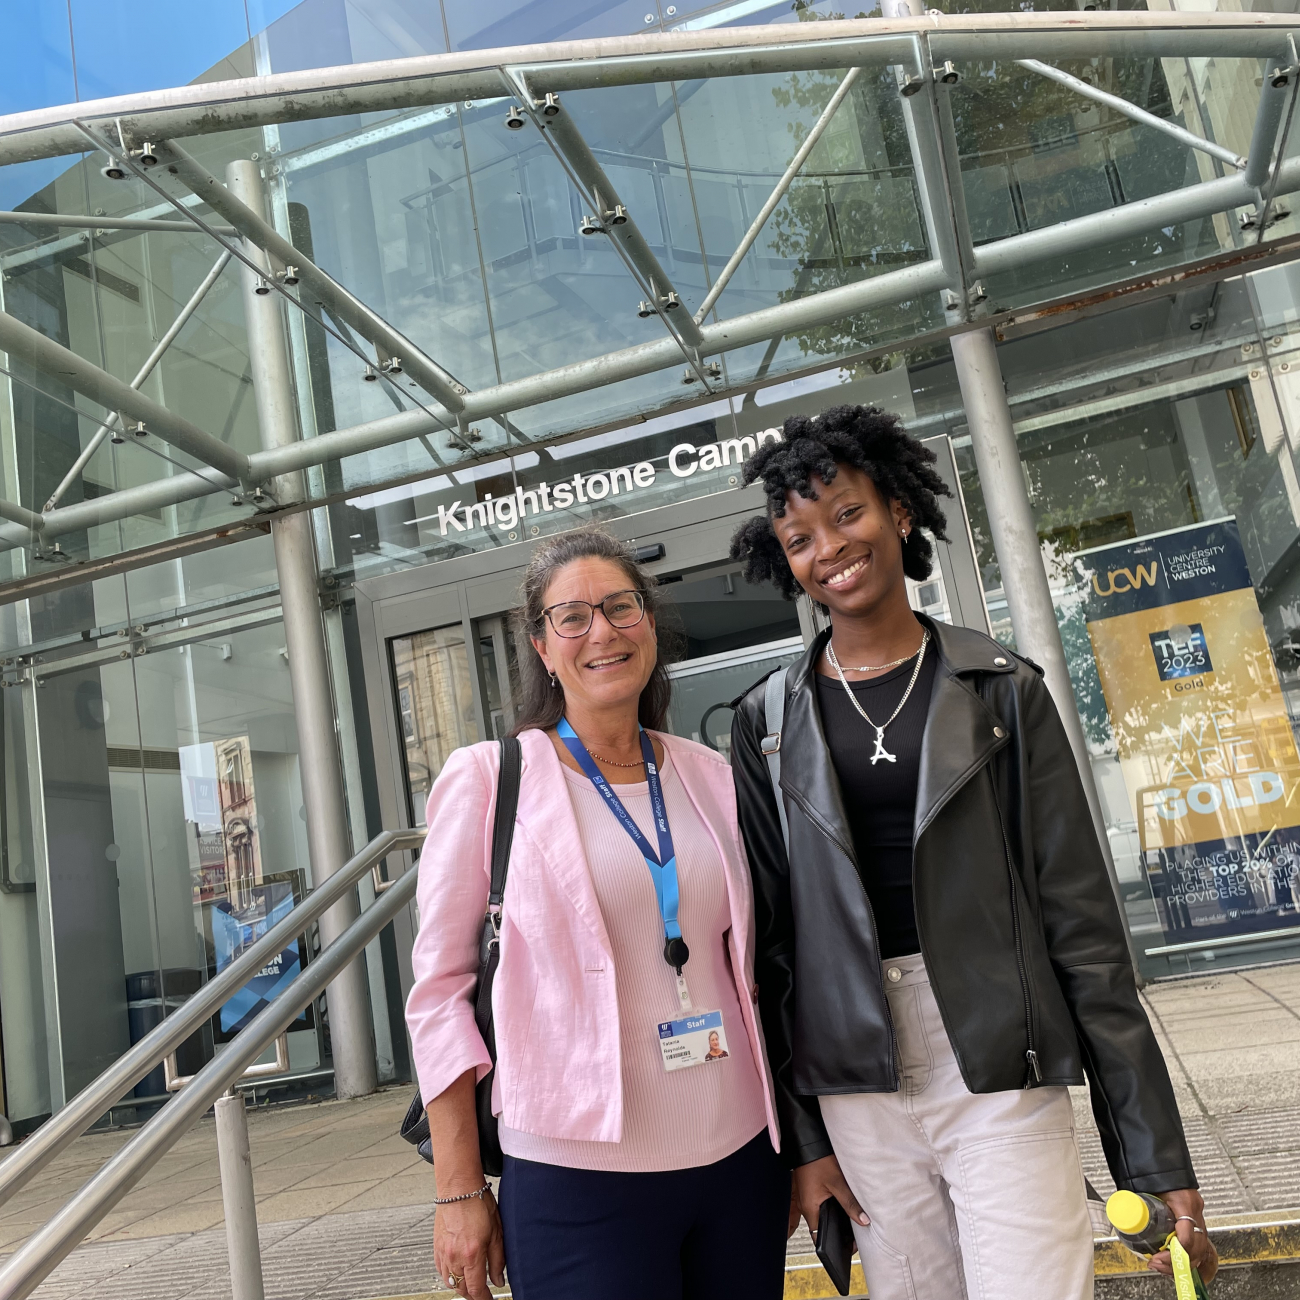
(415, 1127)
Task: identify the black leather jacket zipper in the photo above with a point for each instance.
(1031, 1053)
(875, 937)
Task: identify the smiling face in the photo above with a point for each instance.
(607, 667)
(845, 548)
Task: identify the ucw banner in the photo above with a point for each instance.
(1205, 744)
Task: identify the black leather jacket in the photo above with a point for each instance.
(1019, 928)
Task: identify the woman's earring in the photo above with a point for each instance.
(555, 681)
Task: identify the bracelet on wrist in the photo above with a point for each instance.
(464, 1196)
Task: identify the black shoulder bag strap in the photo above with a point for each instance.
(489, 953)
(415, 1127)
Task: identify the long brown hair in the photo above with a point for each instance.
(542, 705)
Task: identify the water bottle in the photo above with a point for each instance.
(1143, 1223)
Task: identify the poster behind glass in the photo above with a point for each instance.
(1205, 743)
(236, 901)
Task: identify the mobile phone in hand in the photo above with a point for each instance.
(835, 1244)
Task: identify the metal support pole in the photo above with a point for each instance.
(1015, 538)
(1268, 117)
(1134, 113)
(939, 97)
(50, 358)
(61, 221)
(20, 515)
(142, 374)
(390, 346)
(611, 215)
(304, 633)
(238, 1197)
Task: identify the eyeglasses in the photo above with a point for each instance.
(573, 618)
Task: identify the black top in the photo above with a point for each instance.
(880, 798)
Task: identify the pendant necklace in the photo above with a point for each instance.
(881, 751)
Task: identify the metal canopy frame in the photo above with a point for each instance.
(392, 346)
(422, 82)
(922, 50)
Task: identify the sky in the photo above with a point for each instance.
(60, 51)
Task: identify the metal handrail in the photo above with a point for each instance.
(41, 1253)
(174, 1082)
(110, 1087)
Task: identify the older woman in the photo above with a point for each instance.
(639, 1153)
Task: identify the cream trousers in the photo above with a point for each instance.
(974, 1196)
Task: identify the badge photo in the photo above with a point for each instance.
(693, 1040)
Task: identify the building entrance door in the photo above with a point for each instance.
(440, 662)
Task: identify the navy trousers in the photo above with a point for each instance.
(582, 1234)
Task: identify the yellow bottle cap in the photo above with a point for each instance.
(1128, 1213)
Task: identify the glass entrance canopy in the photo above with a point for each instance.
(488, 259)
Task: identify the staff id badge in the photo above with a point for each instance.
(694, 1040)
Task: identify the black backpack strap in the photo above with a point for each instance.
(503, 824)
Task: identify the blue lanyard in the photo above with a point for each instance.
(663, 867)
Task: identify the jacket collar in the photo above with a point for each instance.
(959, 732)
(546, 815)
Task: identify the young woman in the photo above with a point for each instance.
(633, 1097)
(939, 954)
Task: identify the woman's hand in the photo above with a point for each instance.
(468, 1246)
(1199, 1247)
(814, 1183)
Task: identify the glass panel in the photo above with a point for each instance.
(726, 635)
(129, 45)
(25, 1045)
(501, 683)
(435, 706)
(1034, 153)
(109, 296)
(498, 23)
(466, 237)
(172, 803)
(703, 690)
(1137, 431)
(36, 59)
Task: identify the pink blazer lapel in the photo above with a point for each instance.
(710, 788)
(546, 814)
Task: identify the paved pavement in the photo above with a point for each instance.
(345, 1206)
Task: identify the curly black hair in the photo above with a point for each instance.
(816, 446)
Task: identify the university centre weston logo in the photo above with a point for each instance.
(1118, 581)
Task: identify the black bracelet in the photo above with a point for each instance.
(467, 1196)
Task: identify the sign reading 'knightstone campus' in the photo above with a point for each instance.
(543, 498)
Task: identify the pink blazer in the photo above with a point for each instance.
(556, 1014)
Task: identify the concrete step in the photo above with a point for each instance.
(1260, 1261)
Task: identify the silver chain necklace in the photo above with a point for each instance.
(881, 751)
(873, 668)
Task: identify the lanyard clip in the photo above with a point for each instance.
(676, 953)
